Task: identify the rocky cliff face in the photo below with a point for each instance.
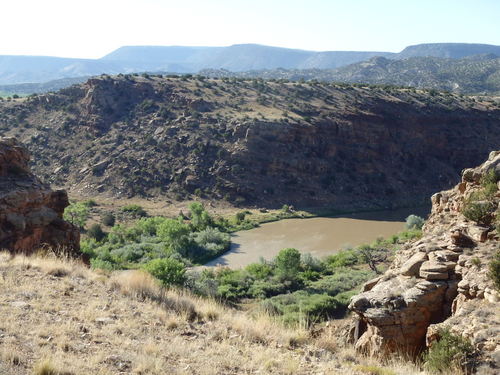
(441, 280)
(253, 142)
(30, 212)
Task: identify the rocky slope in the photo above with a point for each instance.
(441, 280)
(253, 142)
(30, 212)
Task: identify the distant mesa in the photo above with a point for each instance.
(237, 58)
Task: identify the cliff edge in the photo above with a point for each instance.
(443, 279)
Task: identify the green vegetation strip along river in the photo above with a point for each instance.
(319, 236)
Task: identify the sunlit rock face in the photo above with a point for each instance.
(30, 212)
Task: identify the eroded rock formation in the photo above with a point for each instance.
(440, 280)
(30, 212)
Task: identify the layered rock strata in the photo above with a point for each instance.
(30, 212)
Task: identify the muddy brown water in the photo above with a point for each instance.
(318, 236)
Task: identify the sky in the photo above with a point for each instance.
(93, 28)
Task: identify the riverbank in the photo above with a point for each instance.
(319, 236)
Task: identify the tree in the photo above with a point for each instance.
(372, 256)
(288, 263)
(175, 234)
(77, 214)
(200, 218)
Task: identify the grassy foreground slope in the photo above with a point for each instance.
(58, 317)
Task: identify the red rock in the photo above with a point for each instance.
(30, 212)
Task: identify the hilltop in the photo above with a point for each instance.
(478, 74)
(252, 142)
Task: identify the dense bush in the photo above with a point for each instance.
(344, 258)
(95, 231)
(108, 219)
(169, 271)
(158, 237)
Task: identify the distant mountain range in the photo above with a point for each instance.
(236, 58)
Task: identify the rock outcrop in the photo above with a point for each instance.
(30, 212)
(438, 281)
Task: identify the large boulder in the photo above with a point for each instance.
(30, 212)
(438, 281)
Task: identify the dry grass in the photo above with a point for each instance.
(58, 317)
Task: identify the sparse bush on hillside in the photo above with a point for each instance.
(480, 205)
(301, 308)
(451, 351)
(135, 210)
(479, 210)
(494, 270)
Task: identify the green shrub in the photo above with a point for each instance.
(479, 211)
(343, 280)
(259, 271)
(108, 219)
(97, 263)
(450, 351)
(135, 210)
(301, 307)
(414, 222)
(169, 271)
(90, 203)
(494, 270)
(267, 288)
(233, 284)
(343, 258)
(311, 263)
(208, 243)
(95, 231)
(77, 214)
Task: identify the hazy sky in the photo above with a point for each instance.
(93, 28)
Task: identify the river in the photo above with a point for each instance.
(319, 236)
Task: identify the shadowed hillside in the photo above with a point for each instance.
(252, 142)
